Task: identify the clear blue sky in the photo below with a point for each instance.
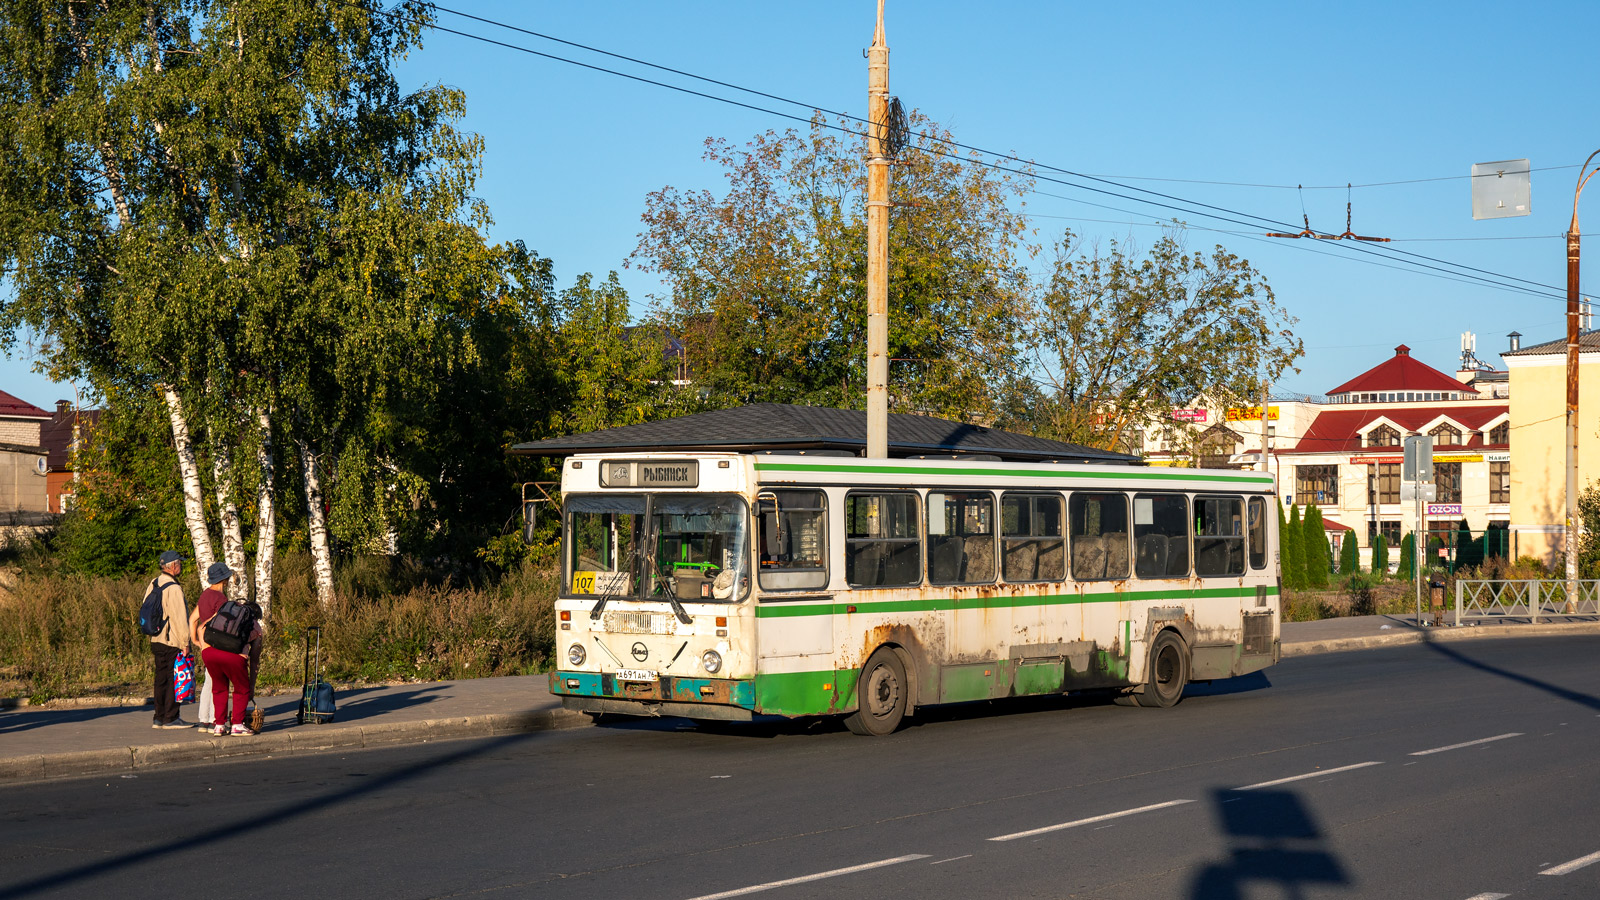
(1276, 94)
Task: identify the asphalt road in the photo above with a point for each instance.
(1327, 776)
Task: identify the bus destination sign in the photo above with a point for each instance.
(675, 473)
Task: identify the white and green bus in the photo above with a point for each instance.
(724, 585)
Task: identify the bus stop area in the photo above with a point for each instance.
(113, 738)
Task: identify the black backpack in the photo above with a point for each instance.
(230, 628)
(152, 616)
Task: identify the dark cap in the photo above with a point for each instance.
(169, 557)
(218, 573)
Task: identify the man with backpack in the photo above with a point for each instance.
(164, 616)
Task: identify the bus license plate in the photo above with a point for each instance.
(635, 675)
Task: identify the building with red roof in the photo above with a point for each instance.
(1344, 452)
(23, 462)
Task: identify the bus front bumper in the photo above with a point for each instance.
(694, 698)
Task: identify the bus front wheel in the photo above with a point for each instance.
(1169, 672)
(881, 695)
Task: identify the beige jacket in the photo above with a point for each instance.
(176, 632)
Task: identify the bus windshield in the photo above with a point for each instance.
(603, 535)
(701, 547)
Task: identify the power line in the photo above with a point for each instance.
(937, 139)
(1323, 187)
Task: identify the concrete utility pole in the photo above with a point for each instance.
(1265, 447)
(1573, 247)
(878, 244)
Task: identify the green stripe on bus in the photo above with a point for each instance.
(770, 610)
(1004, 473)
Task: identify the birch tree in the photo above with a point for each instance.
(233, 203)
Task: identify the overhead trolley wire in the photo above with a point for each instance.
(1187, 209)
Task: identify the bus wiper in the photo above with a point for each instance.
(609, 593)
(671, 593)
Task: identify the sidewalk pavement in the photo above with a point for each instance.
(38, 742)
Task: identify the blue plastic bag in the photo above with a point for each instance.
(183, 677)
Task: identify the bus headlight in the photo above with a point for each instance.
(576, 655)
(712, 660)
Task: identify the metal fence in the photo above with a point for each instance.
(1524, 599)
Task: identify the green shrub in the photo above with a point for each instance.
(394, 619)
(1349, 554)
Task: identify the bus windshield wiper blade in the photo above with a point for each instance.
(672, 595)
(609, 593)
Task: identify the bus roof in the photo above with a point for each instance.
(785, 428)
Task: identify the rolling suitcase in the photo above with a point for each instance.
(316, 695)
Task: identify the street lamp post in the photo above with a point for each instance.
(1573, 248)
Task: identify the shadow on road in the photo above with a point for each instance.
(1274, 843)
(1446, 650)
(222, 829)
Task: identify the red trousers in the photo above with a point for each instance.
(226, 670)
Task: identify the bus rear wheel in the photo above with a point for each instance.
(881, 695)
(1169, 672)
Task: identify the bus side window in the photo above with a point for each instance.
(1258, 533)
(793, 541)
(1099, 527)
(1031, 528)
(960, 537)
(1161, 535)
(1219, 536)
(883, 540)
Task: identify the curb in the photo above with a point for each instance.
(1413, 635)
(314, 739)
(320, 739)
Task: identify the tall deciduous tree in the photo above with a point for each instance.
(233, 206)
(1122, 339)
(766, 281)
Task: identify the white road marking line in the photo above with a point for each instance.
(1488, 896)
(850, 870)
(1498, 737)
(951, 859)
(1318, 774)
(1573, 866)
(1089, 821)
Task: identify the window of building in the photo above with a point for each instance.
(1258, 533)
(1389, 528)
(1316, 484)
(1161, 535)
(1099, 527)
(1500, 482)
(1446, 436)
(960, 537)
(1218, 536)
(1383, 483)
(1500, 434)
(792, 540)
(882, 540)
(1383, 436)
(1447, 482)
(1033, 542)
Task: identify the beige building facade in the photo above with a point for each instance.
(1538, 425)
